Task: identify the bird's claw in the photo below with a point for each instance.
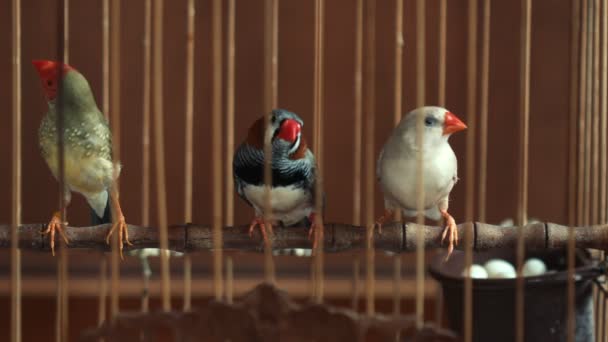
(315, 229)
(56, 225)
(123, 234)
(259, 222)
(380, 221)
(451, 232)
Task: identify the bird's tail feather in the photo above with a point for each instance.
(100, 208)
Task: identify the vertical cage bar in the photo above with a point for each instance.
(526, 14)
(420, 101)
(318, 146)
(595, 148)
(603, 113)
(114, 88)
(370, 72)
(398, 86)
(145, 144)
(105, 57)
(188, 151)
(470, 163)
(396, 286)
(441, 85)
(229, 275)
(582, 118)
(16, 174)
(63, 253)
(398, 62)
(59, 329)
(230, 113)
(270, 79)
(105, 108)
(231, 50)
(602, 321)
(216, 124)
(358, 141)
(483, 110)
(358, 113)
(356, 285)
(187, 305)
(441, 72)
(189, 115)
(159, 145)
(574, 88)
(103, 291)
(588, 113)
(595, 193)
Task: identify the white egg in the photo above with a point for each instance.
(534, 267)
(498, 268)
(475, 271)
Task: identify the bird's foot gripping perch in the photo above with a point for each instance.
(123, 233)
(450, 231)
(258, 221)
(388, 213)
(315, 232)
(56, 225)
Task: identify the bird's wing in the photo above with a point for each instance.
(248, 168)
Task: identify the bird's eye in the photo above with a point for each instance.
(273, 119)
(429, 121)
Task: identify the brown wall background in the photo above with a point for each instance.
(548, 126)
(549, 97)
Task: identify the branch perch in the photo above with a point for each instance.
(395, 237)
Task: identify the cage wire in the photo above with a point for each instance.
(587, 185)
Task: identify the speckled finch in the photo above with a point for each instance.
(89, 168)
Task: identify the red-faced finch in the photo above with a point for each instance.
(293, 172)
(88, 166)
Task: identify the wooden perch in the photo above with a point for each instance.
(395, 237)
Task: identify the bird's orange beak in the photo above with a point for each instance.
(452, 124)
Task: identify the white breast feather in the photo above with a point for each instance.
(289, 204)
(398, 178)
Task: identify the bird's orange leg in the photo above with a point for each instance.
(258, 221)
(56, 225)
(119, 224)
(316, 229)
(450, 231)
(388, 213)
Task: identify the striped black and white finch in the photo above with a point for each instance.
(89, 168)
(293, 172)
(397, 167)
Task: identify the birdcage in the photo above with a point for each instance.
(180, 82)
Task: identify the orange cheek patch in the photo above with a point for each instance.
(255, 137)
(301, 151)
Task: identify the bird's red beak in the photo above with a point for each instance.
(289, 130)
(452, 124)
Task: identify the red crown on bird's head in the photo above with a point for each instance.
(47, 70)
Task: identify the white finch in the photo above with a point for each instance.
(397, 167)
